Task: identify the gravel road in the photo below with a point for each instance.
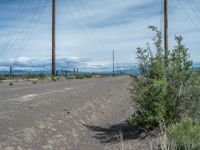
(83, 114)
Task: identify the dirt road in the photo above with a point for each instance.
(83, 114)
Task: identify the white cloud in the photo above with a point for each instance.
(92, 29)
(29, 64)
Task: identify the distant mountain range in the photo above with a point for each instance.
(100, 71)
(131, 70)
(24, 65)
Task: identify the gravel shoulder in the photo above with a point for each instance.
(86, 114)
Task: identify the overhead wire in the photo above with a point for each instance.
(80, 25)
(188, 15)
(39, 10)
(197, 8)
(9, 37)
(93, 30)
(27, 27)
(19, 33)
(193, 10)
(12, 25)
(87, 23)
(27, 38)
(85, 15)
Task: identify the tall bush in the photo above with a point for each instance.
(159, 91)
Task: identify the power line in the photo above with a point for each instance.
(31, 22)
(187, 14)
(85, 16)
(193, 10)
(13, 26)
(197, 8)
(26, 36)
(80, 25)
(14, 39)
(93, 30)
(27, 39)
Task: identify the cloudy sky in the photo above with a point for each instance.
(88, 30)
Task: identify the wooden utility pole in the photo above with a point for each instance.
(11, 72)
(74, 71)
(77, 71)
(166, 33)
(113, 62)
(53, 37)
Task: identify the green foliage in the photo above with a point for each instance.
(82, 76)
(28, 76)
(150, 100)
(86, 76)
(158, 89)
(183, 136)
(41, 76)
(1, 77)
(191, 97)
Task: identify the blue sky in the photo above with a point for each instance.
(88, 30)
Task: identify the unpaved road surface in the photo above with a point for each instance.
(83, 114)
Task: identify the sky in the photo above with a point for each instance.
(88, 31)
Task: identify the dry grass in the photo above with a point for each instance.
(181, 136)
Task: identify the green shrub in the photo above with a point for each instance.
(151, 102)
(157, 91)
(184, 135)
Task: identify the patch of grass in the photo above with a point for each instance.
(184, 135)
(2, 77)
(54, 79)
(28, 76)
(43, 76)
(82, 76)
(87, 76)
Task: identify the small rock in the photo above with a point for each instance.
(34, 82)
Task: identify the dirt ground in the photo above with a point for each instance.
(86, 114)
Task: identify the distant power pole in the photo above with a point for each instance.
(74, 71)
(53, 37)
(77, 71)
(166, 32)
(11, 72)
(113, 62)
(62, 71)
